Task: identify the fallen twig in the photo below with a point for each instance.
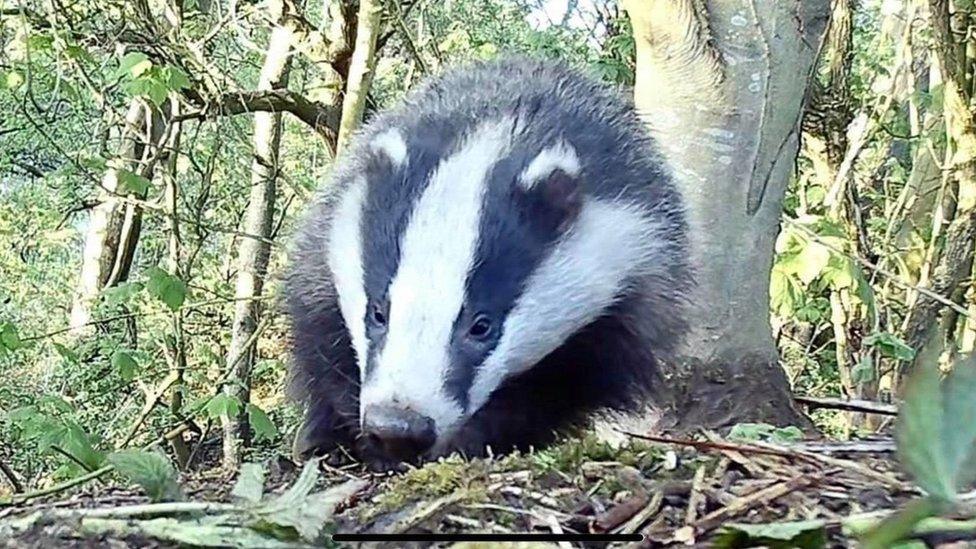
(865, 406)
(760, 497)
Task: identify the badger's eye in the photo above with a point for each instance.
(480, 328)
(377, 315)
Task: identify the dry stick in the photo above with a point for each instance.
(760, 497)
(855, 405)
(772, 450)
(151, 402)
(697, 497)
(23, 498)
(11, 477)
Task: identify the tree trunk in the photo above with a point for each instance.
(955, 263)
(114, 225)
(361, 68)
(252, 260)
(722, 83)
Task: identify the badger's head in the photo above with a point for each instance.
(463, 260)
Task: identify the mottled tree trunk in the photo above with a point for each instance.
(722, 83)
(114, 224)
(953, 47)
(361, 68)
(252, 259)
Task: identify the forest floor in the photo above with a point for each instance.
(701, 491)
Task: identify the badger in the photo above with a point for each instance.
(498, 259)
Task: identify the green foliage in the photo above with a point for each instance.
(808, 534)
(166, 287)
(763, 431)
(890, 346)
(223, 405)
(937, 429)
(124, 364)
(264, 428)
(152, 471)
(9, 338)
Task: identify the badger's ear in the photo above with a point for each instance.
(387, 149)
(551, 184)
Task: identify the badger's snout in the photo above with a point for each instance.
(397, 433)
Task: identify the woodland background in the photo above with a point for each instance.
(154, 155)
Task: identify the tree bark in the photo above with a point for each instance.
(955, 264)
(722, 84)
(252, 261)
(114, 225)
(361, 68)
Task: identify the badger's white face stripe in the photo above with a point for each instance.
(345, 259)
(391, 144)
(584, 274)
(561, 156)
(437, 250)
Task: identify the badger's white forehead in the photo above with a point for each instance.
(437, 250)
(583, 274)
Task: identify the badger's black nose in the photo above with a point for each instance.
(398, 434)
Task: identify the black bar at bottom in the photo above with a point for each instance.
(487, 537)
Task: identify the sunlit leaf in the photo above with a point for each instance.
(133, 64)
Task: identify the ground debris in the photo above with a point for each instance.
(676, 492)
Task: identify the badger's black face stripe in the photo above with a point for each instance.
(517, 227)
(392, 193)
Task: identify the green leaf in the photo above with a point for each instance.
(12, 80)
(815, 195)
(785, 295)
(936, 432)
(303, 511)
(132, 183)
(166, 287)
(959, 398)
(175, 79)
(250, 483)
(150, 470)
(40, 42)
(67, 353)
(811, 262)
(864, 371)
(76, 442)
(121, 294)
(223, 405)
(890, 346)
(9, 338)
(764, 431)
(133, 65)
(156, 91)
(124, 364)
(263, 427)
(808, 534)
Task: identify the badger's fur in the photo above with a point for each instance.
(500, 256)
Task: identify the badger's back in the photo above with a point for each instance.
(575, 244)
